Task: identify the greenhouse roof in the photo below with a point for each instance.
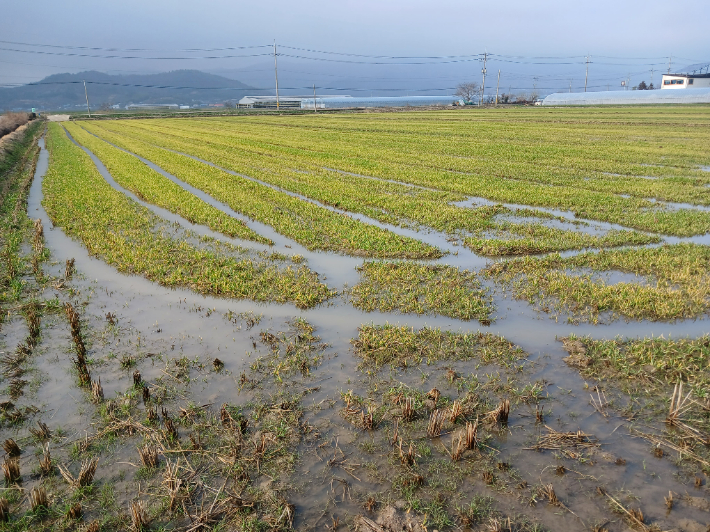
(629, 97)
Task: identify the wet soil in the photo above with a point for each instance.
(340, 469)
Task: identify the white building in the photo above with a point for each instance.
(685, 81)
(286, 102)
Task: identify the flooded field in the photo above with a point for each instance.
(422, 321)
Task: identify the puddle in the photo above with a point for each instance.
(672, 206)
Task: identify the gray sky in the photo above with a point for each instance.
(634, 36)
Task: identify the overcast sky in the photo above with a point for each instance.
(623, 37)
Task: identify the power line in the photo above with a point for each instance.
(383, 56)
(95, 56)
(327, 52)
(99, 48)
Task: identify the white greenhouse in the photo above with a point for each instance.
(628, 97)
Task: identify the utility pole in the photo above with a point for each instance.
(315, 104)
(276, 73)
(483, 87)
(586, 73)
(570, 86)
(652, 69)
(497, 87)
(86, 93)
(670, 62)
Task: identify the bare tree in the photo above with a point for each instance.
(468, 91)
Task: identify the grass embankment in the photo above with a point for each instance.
(124, 235)
(313, 226)
(562, 160)
(150, 186)
(421, 289)
(677, 282)
(17, 165)
(379, 345)
(387, 202)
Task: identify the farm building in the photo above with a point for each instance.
(380, 101)
(268, 102)
(288, 102)
(685, 81)
(695, 95)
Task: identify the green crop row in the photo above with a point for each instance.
(421, 289)
(674, 282)
(311, 225)
(529, 239)
(150, 186)
(128, 237)
(504, 160)
(384, 201)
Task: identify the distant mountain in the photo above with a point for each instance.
(187, 87)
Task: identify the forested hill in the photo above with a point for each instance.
(179, 86)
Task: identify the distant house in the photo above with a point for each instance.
(685, 81)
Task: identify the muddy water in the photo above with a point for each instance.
(155, 320)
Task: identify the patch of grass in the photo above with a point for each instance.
(295, 351)
(421, 289)
(676, 283)
(479, 509)
(647, 360)
(379, 345)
